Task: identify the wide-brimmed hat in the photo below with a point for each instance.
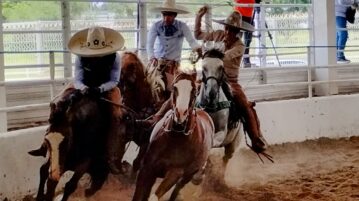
(234, 20)
(170, 6)
(95, 41)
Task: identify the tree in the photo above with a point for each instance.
(16, 10)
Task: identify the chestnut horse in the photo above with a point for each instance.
(140, 93)
(179, 145)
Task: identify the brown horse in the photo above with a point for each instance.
(76, 142)
(179, 144)
(138, 87)
(138, 90)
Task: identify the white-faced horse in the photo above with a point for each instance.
(179, 145)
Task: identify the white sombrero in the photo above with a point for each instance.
(235, 20)
(170, 6)
(95, 41)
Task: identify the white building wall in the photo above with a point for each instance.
(281, 121)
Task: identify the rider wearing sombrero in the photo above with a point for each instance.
(97, 73)
(234, 49)
(165, 40)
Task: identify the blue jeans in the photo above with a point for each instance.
(342, 36)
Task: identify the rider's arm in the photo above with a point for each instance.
(114, 77)
(79, 75)
(206, 36)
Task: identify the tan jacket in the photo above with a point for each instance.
(233, 54)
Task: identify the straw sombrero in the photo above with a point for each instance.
(170, 6)
(95, 41)
(235, 20)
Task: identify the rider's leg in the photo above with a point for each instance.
(251, 121)
(116, 138)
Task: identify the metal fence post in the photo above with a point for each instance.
(309, 71)
(3, 115)
(66, 34)
(142, 26)
(52, 74)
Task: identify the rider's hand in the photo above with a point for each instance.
(154, 61)
(202, 11)
(91, 91)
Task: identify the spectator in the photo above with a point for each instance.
(247, 16)
(341, 7)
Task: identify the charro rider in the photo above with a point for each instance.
(234, 49)
(97, 73)
(165, 53)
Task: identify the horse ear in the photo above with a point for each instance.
(40, 151)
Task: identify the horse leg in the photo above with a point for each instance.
(171, 178)
(137, 163)
(44, 175)
(179, 186)
(71, 185)
(229, 149)
(145, 180)
(50, 189)
(99, 173)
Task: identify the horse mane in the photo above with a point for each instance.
(214, 53)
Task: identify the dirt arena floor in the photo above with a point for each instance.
(321, 170)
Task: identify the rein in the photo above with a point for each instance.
(217, 107)
(189, 132)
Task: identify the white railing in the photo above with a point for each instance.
(309, 83)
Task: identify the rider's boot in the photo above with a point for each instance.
(249, 118)
(151, 121)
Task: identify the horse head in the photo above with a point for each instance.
(212, 76)
(132, 69)
(183, 99)
(69, 137)
(135, 88)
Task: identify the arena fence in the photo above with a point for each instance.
(35, 65)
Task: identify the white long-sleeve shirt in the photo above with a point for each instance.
(169, 47)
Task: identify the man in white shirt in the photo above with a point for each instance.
(165, 39)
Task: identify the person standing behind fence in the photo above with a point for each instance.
(247, 16)
(165, 54)
(341, 7)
